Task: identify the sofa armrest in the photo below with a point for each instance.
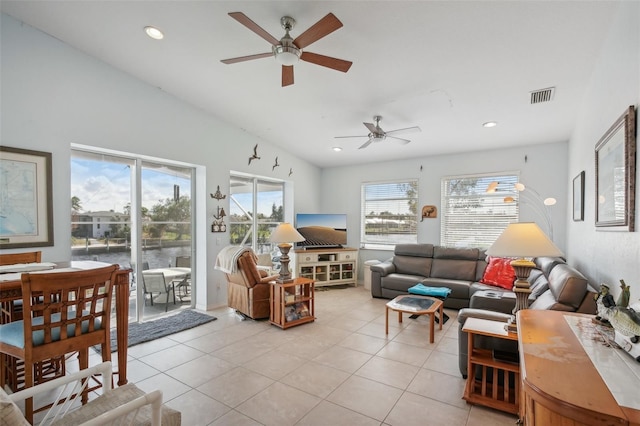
(480, 341)
(384, 268)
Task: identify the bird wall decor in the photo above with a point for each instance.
(290, 172)
(255, 154)
(275, 165)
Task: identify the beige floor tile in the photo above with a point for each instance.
(389, 372)
(405, 353)
(444, 363)
(169, 386)
(197, 408)
(236, 386)
(200, 370)
(316, 379)
(416, 410)
(173, 356)
(482, 416)
(243, 351)
(279, 404)
(367, 397)
(153, 346)
(275, 364)
(439, 386)
(137, 371)
(363, 343)
(448, 345)
(234, 418)
(343, 358)
(327, 413)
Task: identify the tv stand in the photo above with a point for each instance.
(328, 266)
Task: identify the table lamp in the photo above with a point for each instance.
(522, 240)
(284, 235)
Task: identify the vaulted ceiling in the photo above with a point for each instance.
(445, 66)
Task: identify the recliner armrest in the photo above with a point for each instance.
(384, 268)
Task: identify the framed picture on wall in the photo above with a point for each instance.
(26, 210)
(578, 197)
(616, 174)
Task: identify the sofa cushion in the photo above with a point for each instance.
(567, 285)
(546, 264)
(417, 250)
(547, 301)
(499, 272)
(459, 288)
(412, 265)
(401, 282)
(538, 283)
(454, 263)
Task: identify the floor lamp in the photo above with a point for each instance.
(284, 235)
(522, 241)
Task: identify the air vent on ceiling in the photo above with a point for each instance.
(542, 95)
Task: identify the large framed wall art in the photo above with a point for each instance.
(616, 175)
(26, 207)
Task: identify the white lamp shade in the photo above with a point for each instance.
(285, 233)
(524, 239)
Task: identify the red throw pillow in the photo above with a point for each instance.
(499, 273)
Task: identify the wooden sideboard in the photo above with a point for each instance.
(560, 384)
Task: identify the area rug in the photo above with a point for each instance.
(151, 330)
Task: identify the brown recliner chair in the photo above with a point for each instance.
(248, 288)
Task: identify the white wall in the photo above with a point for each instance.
(543, 170)
(54, 95)
(605, 256)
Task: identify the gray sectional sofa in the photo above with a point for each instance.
(554, 285)
(459, 269)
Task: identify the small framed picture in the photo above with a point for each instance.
(578, 197)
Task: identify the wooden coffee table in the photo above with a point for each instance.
(416, 305)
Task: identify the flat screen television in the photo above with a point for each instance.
(322, 230)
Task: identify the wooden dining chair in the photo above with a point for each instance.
(64, 312)
(12, 310)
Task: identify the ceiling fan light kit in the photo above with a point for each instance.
(287, 51)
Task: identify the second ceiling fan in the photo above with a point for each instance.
(288, 51)
(376, 134)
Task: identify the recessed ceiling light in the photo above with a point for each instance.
(490, 124)
(337, 148)
(154, 33)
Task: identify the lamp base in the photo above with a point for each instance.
(521, 288)
(285, 274)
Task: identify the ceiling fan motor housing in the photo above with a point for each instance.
(286, 53)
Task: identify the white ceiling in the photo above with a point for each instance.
(446, 66)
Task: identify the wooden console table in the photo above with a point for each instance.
(560, 384)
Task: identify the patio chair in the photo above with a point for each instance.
(154, 282)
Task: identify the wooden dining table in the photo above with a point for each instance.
(11, 289)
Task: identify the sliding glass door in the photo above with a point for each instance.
(136, 213)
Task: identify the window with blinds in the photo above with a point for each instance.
(389, 213)
(473, 217)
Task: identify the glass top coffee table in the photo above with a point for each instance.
(416, 305)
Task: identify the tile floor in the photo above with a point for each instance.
(339, 370)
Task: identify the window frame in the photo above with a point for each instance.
(481, 219)
(366, 206)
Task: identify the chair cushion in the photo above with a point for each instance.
(114, 399)
(13, 332)
(10, 414)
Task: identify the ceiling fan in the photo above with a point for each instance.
(376, 134)
(288, 51)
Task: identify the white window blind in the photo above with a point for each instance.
(471, 217)
(389, 213)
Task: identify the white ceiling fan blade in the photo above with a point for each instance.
(343, 137)
(405, 131)
(372, 127)
(402, 141)
(366, 144)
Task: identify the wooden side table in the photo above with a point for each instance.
(292, 303)
(491, 390)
